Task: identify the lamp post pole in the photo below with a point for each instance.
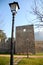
(12, 46)
(14, 7)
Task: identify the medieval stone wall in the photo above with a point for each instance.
(39, 46)
(25, 39)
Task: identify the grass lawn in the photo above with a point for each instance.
(4, 60)
(39, 54)
(31, 61)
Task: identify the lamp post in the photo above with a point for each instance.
(14, 7)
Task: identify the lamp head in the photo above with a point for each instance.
(14, 7)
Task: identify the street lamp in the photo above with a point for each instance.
(14, 7)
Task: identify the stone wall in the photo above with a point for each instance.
(25, 39)
(39, 46)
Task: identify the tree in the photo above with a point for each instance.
(2, 35)
(38, 10)
(8, 44)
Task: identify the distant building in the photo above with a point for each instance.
(25, 39)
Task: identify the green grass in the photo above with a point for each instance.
(37, 54)
(4, 60)
(31, 61)
(25, 61)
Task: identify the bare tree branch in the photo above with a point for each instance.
(37, 12)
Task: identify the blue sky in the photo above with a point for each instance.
(23, 16)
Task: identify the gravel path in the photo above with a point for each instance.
(22, 56)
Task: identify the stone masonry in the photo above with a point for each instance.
(25, 39)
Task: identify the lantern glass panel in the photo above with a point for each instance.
(14, 8)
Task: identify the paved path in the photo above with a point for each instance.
(22, 56)
(30, 56)
(16, 61)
